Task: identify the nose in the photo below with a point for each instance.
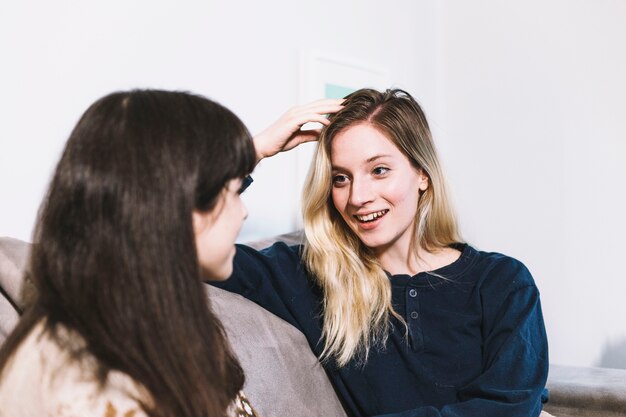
(361, 192)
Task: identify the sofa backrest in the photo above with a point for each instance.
(283, 377)
(13, 257)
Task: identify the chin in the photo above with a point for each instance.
(373, 242)
(224, 275)
(220, 275)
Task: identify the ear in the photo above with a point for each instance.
(200, 222)
(423, 180)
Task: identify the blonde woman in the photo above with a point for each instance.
(407, 319)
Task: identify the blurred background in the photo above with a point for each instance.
(526, 101)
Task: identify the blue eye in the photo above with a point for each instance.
(380, 170)
(339, 180)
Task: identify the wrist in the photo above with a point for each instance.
(259, 153)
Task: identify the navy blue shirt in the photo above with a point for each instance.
(476, 343)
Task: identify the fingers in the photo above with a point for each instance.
(286, 133)
(310, 135)
(322, 106)
(310, 117)
(302, 136)
(325, 102)
(315, 111)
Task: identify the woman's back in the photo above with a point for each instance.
(42, 379)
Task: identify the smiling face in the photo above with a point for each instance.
(375, 187)
(216, 231)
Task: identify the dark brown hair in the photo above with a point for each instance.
(115, 258)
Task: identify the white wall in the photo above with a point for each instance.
(58, 57)
(535, 142)
(526, 100)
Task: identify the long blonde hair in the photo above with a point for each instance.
(357, 292)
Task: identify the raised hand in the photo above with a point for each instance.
(286, 133)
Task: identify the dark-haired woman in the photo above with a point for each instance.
(408, 320)
(144, 203)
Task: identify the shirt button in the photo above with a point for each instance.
(414, 315)
(413, 292)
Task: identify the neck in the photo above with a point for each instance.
(402, 260)
(398, 259)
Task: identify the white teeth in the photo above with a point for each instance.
(371, 216)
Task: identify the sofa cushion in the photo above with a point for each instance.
(8, 317)
(13, 257)
(283, 377)
(587, 392)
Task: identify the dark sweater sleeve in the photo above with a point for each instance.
(515, 355)
(275, 279)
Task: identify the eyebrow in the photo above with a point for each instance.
(369, 160)
(373, 158)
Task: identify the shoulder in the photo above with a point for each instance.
(505, 286)
(19, 387)
(497, 268)
(42, 379)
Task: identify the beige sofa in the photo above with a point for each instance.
(285, 379)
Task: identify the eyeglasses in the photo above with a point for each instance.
(245, 183)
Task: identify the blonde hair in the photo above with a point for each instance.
(357, 292)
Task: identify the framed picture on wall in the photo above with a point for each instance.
(323, 76)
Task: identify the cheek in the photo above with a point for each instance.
(403, 194)
(340, 198)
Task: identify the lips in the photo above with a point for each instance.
(370, 217)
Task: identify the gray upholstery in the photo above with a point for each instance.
(283, 377)
(13, 256)
(587, 392)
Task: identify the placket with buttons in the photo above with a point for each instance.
(413, 318)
